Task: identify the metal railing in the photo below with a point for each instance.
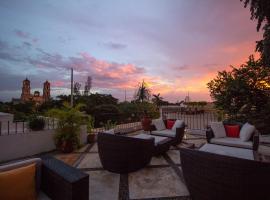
(199, 121)
(122, 128)
(21, 127)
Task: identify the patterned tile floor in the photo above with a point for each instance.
(161, 179)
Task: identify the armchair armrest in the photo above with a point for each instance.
(152, 128)
(61, 181)
(256, 140)
(209, 134)
(180, 132)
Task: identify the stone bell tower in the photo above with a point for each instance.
(46, 91)
(26, 94)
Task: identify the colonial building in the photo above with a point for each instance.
(36, 97)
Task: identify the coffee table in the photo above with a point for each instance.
(162, 144)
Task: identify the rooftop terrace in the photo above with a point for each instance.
(161, 179)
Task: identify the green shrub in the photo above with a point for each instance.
(36, 123)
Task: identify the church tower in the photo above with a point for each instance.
(26, 94)
(46, 91)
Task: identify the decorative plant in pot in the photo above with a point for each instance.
(90, 125)
(68, 127)
(146, 121)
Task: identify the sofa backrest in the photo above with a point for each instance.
(211, 176)
(124, 154)
(22, 163)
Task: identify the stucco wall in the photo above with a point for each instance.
(27, 144)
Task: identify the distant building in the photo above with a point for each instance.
(36, 97)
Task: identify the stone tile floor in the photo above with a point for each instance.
(161, 179)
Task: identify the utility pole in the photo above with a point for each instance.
(71, 98)
(125, 95)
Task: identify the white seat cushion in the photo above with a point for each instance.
(146, 136)
(110, 131)
(178, 124)
(234, 142)
(228, 151)
(246, 131)
(164, 133)
(159, 124)
(218, 129)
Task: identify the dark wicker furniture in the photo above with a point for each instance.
(121, 154)
(61, 181)
(215, 177)
(177, 139)
(254, 138)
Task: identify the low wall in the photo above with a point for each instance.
(27, 144)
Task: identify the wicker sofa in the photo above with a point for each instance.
(253, 143)
(121, 154)
(210, 176)
(176, 136)
(54, 179)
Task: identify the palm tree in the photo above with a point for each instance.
(157, 99)
(143, 93)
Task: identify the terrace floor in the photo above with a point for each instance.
(161, 179)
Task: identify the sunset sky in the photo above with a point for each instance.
(176, 46)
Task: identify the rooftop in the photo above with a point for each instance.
(161, 179)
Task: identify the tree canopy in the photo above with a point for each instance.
(244, 92)
(260, 11)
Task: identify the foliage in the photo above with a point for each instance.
(90, 122)
(128, 112)
(243, 93)
(143, 92)
(108, 125)
(68, 124)
(196, 103)
(103, 113)
(158, 100)
(260, 10)
(149, 108)
(36, 123)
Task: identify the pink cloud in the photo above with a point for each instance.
(22, 34)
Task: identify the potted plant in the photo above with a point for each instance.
(68, 127)
(90, 126)
(146, 121)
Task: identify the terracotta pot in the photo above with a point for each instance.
(146, 123)
(91, 138)
(67, 147)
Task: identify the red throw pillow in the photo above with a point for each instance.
(232, 130)
(170, 123)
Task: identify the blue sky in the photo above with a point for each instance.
(175, 45)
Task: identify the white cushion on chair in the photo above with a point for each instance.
(233, 142)
(228, 151)
(159, 124)
(178, 124)
(246, 132)
(164, 133)
(218, 129)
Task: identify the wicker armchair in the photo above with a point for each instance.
(254, 138)
(121, 154)
(177, 138)
(215, 177)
